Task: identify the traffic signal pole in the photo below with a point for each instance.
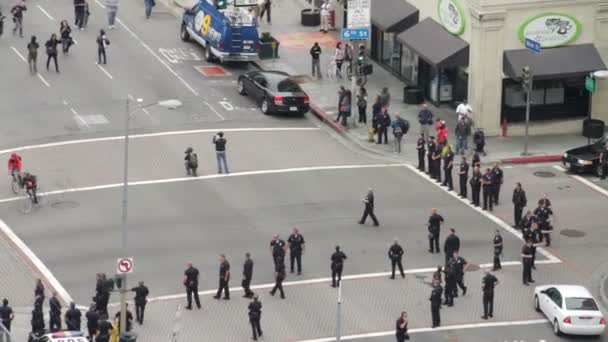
(527, 80)
(353, 83)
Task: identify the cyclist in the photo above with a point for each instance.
(14, 167)
(30, 183)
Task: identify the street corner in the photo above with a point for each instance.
(304, 40)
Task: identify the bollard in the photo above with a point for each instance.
(504, 127)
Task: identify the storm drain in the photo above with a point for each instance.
(573, 233)
(544, 174)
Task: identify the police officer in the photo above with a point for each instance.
(395, 254)
(279, 276)
(296, 249)
(92, 322)
(103, 288)
(431, 146)
(436, 303)
(437, 164)
(421, 149)
(73, 318)
(129, 318)
(519, 203)
(488, 282)
(527, 254)
(401, 328)
(604, 162)
(224, 278)
(536, 239)
(448, 166)
(38, 320)
(105, 330)
(463, 175)
(255, 314)
(277, 249)
(369, 208)
(247, 275)
(39, 292)
(543, 214)
(545, 199)
(475, 182)
(437, 274)
(526, 221)
(54, 313)
(337, 264)
(451, 245)
(6, 315)
(450, 284)
(497, 250)
(459, 264)
(488, 182)
(191, 284)
(141, 294)
(435, 221)
(498, 180)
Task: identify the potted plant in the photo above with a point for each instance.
(269, 46)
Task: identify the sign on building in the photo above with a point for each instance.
(451, 16)
(550, 29)
(359, 13)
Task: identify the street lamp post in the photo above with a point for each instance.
(169, 104)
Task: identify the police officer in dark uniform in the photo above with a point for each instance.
(255, 315)
(459, 264)
(543, 214)
(224, 278)
(73, 318)
(436, 303)
(475, 182)
(54, 313)
(128, 317)
(279, 276)
(497, 250)
(105, 330)
(434, 228)
(369, 208)
(431, 146)
(296, 249)
(488, 182)
(39, 292)
(488, 282)
(527, 254)
(437, 164)
(526, 221)
(191, 284)
(545, 199)
(451, 245)
(519, 203)
(6, 315)
(498, 180)
(448, 165)
(437, 274)
(37, 321)
(463, 175)
(421, 149)
(401, 328)
(337, 264)
(247, 275)
(536, 239)
(92, 322)
(395, 254)
(604, 162)
(141, 294)
(450, 284)
(277, 249)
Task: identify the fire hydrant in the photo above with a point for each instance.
(370, 134)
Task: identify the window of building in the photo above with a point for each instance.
(391, 51)
(409, 65)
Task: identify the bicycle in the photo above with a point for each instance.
(361, 80)
(26, 203)
(332, 70)
(16, 181)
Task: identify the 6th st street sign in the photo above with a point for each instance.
(590, 84)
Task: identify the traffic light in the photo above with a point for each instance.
(526, 77)
(361, 55)
(221, 4)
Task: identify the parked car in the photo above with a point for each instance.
(585, 159)
(570, 308)
(274, 92)
(60, 336)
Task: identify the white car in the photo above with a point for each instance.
(570, 308)
(61, 336)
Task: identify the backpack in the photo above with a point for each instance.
(193, 162)
(406, 126)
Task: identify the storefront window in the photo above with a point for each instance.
(409, 65)
(391, 51)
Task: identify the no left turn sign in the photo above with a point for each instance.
(124, 265)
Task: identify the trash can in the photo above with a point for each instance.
(593, 128)
(412, 95)
(128, 337)
(310, 17)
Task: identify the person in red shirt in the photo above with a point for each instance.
(14, 166)
(442, 135)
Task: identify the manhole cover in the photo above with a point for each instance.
(65, 205)
(544, 174)
(572, 233)
(472, 267)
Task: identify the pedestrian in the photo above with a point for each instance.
(279, 274)
(141, 295)
(442, 135)
(488, 282)
(395, 254)
(545, 199)
(92, 322)
(448, 166)
(224, 279)
(79, 13)
(85, 20)
(191, 284)
(462, 132)
(37, 321)
(128, 319)
(339, 56)
(102, 44)
(266, 9)
(527, 254)
(17, 12)
(148, 4)
(346, 106)
(247, 275)
(191, 162)
(51, 51)
(425, 119)
(103, 288)
(384, 121)
(278, 247)
(401, 328)
(497, 250)
(326, 9)
(436, 303)
(475, 160)
(376, 112)
(255, 314)
(475, 183)
(39, 292)
(220, 152)
(434, 228)
(479, 138)
(498, 180)
(450, 284)
(64, 32)
(296, 249)
(397, 126)
(604, 162)
(451, 245)
(421, 151)
(460, 265)
(32, 55)
(385, 97)
(112, 9)
(463, 175)
(341, 94)
(73, 318)
(105, 330)
(519, 203)
(337, 265)
(315, 53)
(6, 315)
(437, 274)
(464, 110)
(437, 154)
(54, 313)
(543, 215)
(431, 147)
(488, 182)
(362, 105)
(369, 208)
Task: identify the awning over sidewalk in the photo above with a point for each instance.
(561, 62)
(393, 15)
(436, 45)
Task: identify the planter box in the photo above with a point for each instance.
(310, 17)
(266, 48)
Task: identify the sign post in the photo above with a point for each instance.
(527, 79)
(358, 24)
(590, 87)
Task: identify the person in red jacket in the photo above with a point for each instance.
(442, 135)
(14, 166)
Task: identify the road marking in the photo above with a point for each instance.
(210, 176)
(429, 329)
(43, 80)
(46, 13)
(590, 184)
(157, 134)
(38, 264)
(104, 71)
(100, 4)
(215, 111)
(25, 61)
(79, 118)
(143, 109)
(227, 106)
(559, 167)
(344, 278)
(493, 218)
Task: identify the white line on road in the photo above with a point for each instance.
(46, 13)
(25, 61)
(559, 167)
(104, 71)
(157, 134)
(143, 109)
(79, 118)
(590, 184)
(38, 264)
(100, 4)
(428, 329)
(215, 111)
(43, 80)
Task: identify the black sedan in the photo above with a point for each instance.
(274, 92)
(585, 159)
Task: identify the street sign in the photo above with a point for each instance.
(358, 33)
(533, 45)
(359, 13)
(124, 265)
(590, 84)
